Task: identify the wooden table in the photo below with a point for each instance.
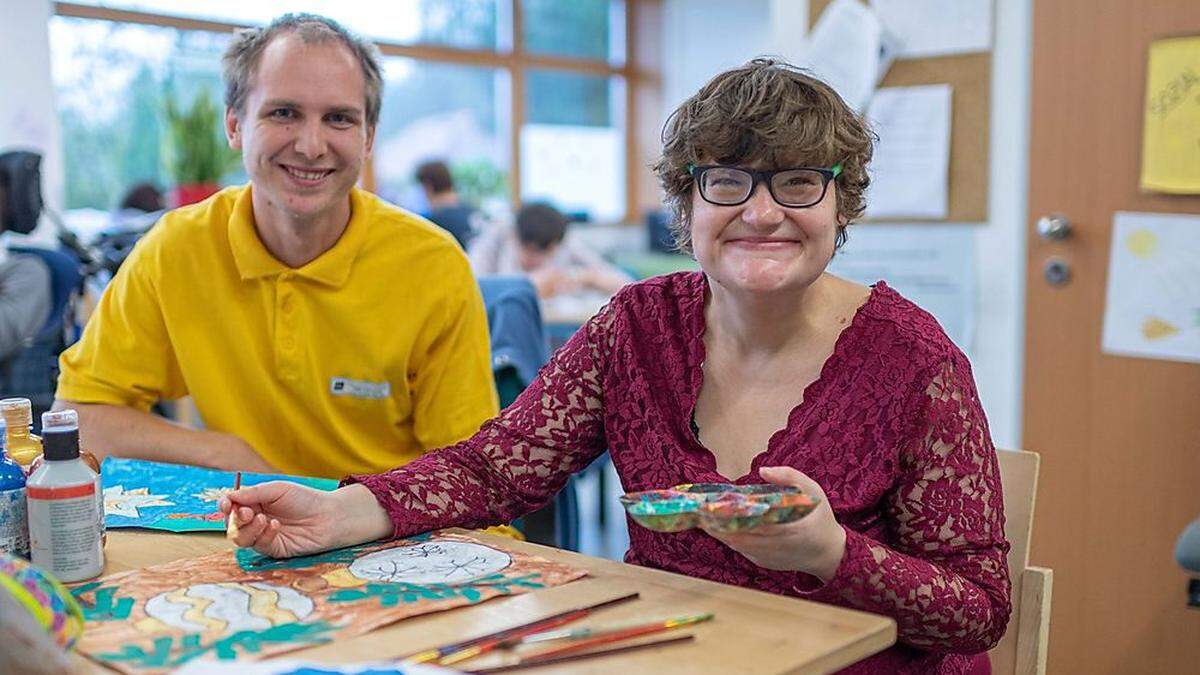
(753, 632)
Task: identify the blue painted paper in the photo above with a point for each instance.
(175, 497)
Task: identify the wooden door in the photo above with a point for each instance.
(1119, 437)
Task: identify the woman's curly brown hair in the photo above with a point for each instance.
(771, 114)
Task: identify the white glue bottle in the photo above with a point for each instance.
(65, 520)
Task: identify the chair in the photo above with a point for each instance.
(1023, 648)
(518, 350)
(65, 280)
(33, 371)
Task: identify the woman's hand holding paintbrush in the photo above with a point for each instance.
(283, 520)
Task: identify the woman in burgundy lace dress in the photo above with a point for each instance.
(760, 368)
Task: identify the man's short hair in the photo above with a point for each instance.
(435, 176)
(540, 225)
(240, 62)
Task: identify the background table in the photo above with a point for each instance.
(753, 632)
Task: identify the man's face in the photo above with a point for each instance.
(531, 258)
(303, 133)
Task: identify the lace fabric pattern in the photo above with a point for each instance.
(892, 430)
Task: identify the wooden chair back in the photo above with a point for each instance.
(1022, 651)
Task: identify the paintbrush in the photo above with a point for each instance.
(618, 635)
(579, 633)
(533, 662)
(523, 629)
(231, 525)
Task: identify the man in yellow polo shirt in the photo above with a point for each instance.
(319, 330)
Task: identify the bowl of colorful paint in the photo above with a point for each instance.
(706, 491)
(765, 490)
(648, 496)
(664, 513)
(732, 513)
(785, 507)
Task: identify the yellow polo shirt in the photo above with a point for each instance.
(358, 361)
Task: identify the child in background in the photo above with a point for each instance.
(536, 246)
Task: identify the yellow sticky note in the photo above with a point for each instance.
(1171, 136)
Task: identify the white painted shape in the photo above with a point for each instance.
(436, 562)
(228, 604)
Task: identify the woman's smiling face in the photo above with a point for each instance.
(762, 246)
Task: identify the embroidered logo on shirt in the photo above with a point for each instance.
(344, 386)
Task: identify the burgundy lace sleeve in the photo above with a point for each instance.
(516, 462)
(942, 573)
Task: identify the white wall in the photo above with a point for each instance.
(27, 116)
(703, 37)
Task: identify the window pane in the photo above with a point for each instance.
(110, 84)
(580, 28)
(559, 97)
(457, 23)
(458, 114)
(573, 146)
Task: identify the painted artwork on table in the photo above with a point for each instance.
(241, 606)
(290, 667)
(175, 497)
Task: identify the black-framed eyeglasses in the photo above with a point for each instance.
(796, 188)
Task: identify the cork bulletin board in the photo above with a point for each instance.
(970, 77)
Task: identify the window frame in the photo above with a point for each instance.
(514, 58)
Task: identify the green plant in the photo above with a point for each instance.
(196, 149)
(478, 179)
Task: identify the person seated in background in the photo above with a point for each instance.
(536, 246)
(26, 297)
(296, 311)
(446, 210)
(139, 209)
(144, 197)
(760, 367)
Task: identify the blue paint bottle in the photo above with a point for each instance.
(14, 520)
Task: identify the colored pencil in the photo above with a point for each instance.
(231, 526)
(535, 662)
(578, 633)
(531, 627)
(496, 643)
(618, 635)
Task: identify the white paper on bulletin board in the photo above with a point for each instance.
(937, 27)
(845, 50)
(932, 265)
(1152, 306)
(910, 170)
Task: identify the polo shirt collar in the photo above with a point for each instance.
(332, 267)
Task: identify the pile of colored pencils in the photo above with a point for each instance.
(582, 643)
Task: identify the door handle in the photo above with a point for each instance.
(1054, 227)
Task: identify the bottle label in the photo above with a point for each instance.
(64, 530)
(14, 523)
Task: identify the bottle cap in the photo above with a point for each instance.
(60, 435)
(60, 419)
(17, 411)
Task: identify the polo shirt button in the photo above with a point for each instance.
(287, 303)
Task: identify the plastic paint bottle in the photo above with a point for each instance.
(65, 516)
(22, 445)
(14, 519)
